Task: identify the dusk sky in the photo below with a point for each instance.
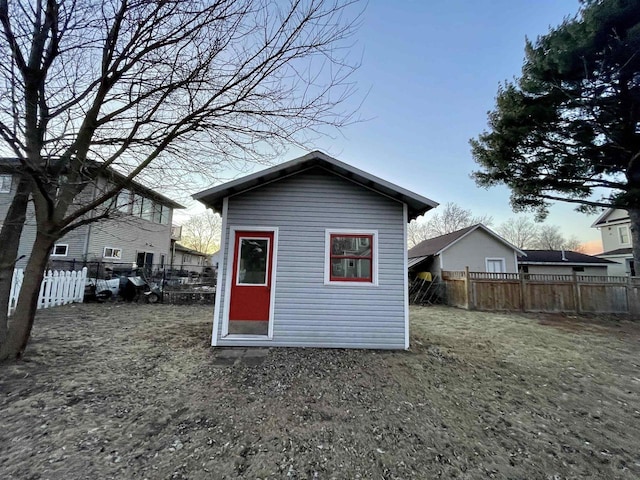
(432, 69)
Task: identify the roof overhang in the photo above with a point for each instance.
(412, 262)
(417, 204)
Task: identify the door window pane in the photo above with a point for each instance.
(253, 261)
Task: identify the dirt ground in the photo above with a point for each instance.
(134, 391)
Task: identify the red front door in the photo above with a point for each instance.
(251, 282)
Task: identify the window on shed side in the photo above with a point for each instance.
(5, 183)
(351, 257)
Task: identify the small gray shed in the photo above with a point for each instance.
(313, 254)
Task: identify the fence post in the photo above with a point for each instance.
(523, 286)
(576, 293)
(468, 289)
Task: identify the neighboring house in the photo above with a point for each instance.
(614, 226)
(313, 254)
(188, 259)
(214, 260)
(562, 262)
(476, 247)
(139, 234)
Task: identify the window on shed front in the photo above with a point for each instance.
(351, 257)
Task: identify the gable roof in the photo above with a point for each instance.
(603, 218)
(417, 204)
(437, 245)
(555, 257)
(13, 165)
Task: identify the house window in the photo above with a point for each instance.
(578, 269)
(495, 265)
(147, 209)
(60, 250)
(123, 203)
(113, 253)
(623, 234)
(351, 257)
(5, 183)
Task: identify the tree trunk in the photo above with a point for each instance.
(10, 240)
(634, 216)
(22, 320)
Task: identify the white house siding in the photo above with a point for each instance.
(610, 233)
(132, 235)
(306, 311)
(620, 268)
(472, 250)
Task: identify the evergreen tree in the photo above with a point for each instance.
(569, 128)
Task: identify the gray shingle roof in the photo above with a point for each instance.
(556, 256)
(432, 246)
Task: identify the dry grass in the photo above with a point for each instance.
(127, 391)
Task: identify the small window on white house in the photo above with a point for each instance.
(5, 183)
(113, 253)
(495, 265)
(623, 234)
(60, 250)
(351, 257)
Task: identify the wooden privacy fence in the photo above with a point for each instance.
(57, 288)
(542, 293)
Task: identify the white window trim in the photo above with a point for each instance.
(2, 190)
(620, 229)
(493, 259)
(66, 250)
(225, 335)
(327, 257)
(104, 253)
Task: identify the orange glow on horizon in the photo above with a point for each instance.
(592, 247)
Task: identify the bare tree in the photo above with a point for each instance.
(202, 232)
(452, 218)
(520, 231)
(549, 237)
(154, 90)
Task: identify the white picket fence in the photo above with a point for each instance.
(57, 288)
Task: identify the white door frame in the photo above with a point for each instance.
(228, 280)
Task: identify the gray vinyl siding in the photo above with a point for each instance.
(306, 311)
(131, 234)
(473, 250)
(28, 230)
